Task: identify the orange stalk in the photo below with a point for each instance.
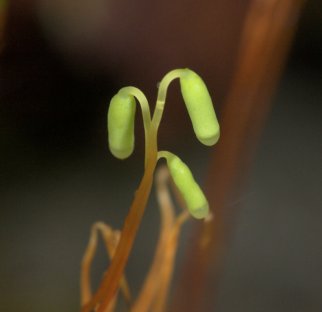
(111, 279)
(265, 40)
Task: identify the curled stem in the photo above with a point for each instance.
(146, 115)
(162, 93)
(165, 154)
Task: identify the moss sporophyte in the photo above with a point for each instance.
(120, 123)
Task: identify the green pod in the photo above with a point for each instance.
(195, 199)
(120, 123)
(200, 107)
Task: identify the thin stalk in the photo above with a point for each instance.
(146, 115)
(87, 260)
(168, 265)
(111, 239)
(162, 94)
(151, 284)
(110, 282)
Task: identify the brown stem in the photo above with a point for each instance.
(170, 250)
(111, 279)
(151, 283)
(265, 41)
(111, 239)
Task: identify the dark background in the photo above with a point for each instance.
(61, 63)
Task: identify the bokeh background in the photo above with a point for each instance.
(61, 61)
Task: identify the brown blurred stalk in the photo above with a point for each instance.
(265, 41)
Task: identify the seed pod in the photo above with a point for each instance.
(193, 196)
(200, 107)
(120, 123)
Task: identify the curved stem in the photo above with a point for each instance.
(162, 93)
(165, 154)
(146, 115)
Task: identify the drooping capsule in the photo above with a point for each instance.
(200, 107)
(120, 124)
(193, 196)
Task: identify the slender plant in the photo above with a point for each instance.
(121, 116)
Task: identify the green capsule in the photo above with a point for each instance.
(195, 199)
(200, 107)
(120, 123)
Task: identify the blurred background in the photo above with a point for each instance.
(61, 61)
